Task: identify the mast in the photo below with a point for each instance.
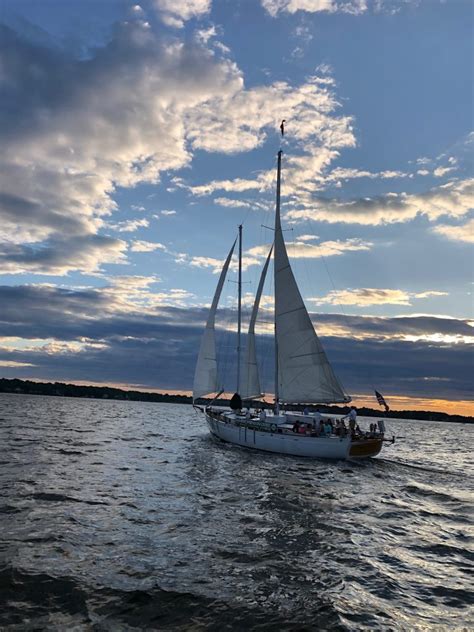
(303, 371)
(239, 312)
(277, 228)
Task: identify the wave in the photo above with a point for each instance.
(41, 597)
(61, 498)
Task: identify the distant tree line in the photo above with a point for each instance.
(58, 389)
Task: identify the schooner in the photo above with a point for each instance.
(303, 373)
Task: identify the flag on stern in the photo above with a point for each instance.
(282, 127)
(381, 401)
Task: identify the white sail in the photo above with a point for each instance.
(304, 372)
(250, 381)
(206, 379)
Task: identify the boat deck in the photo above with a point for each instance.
(284, 424)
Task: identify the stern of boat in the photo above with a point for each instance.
(365, 448)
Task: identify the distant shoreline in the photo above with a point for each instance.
(59, 389)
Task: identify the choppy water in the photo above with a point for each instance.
(128, 516)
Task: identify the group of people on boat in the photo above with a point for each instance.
(321, 427)
(312, 423)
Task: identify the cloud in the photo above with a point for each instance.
(439, 172)
(201, 262)
(126, 329)
(233, 203)
(176, 12)
(129, 225)
(243, 122)
(363, 297)
(127, 294)
(304, 174)
(230, 203)
(453, 199)
(146, 246)
(343, 173)
(354, 7)
(86, 126)
(61, 255)
(12, 364)
(301, 249)
(463, 232)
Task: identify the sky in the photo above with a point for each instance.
(137, 137)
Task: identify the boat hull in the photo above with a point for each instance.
(366, 448)
(295, 445)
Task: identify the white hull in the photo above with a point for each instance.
(279, 442)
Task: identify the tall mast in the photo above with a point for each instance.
(239, 313)
(277, 228)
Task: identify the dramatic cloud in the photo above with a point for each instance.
(372, 296)
(70, 334)
(84, 127)
(61, 255)
(453, 199)
(134, 108)
(98, 136)
(243, 122)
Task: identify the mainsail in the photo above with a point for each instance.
(303, 370)
(250, 381)
(206, 379)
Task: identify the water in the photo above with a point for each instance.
(128, 516)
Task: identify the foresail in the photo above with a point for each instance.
(206, 379)
(250, 381)
(304, 372)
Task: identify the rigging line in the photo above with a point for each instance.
(267, 211)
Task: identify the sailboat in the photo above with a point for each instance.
(303, 373)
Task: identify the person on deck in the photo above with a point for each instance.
(236, 403)
(317, 417)
(352, 417)
(317, 422)
(263, 415)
